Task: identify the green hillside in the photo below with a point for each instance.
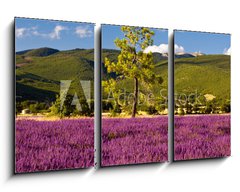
(208, 74)
(112, 55)
(38, 77)
(40, 52)
(126, 86)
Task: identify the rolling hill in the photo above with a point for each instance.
(38, 77)
(208, 74)
(41, 52)
(39, 71)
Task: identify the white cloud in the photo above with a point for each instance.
(83, 32)
(227, 51)
(56, 32)
(20, 32)
(163, 48)
(178, 49)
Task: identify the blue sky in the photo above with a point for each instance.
(62, 35)
(111, 32)
(208, 43)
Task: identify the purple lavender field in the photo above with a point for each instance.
(54, 145)
(134, 140)
(203, 136)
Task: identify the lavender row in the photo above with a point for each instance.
(204, 136)
(134, 140)
(54, 145)
(69, 144)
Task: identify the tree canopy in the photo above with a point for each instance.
(133, 62)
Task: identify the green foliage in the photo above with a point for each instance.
(117, 108)
(66, 108)
(161, 107)
(34, 107)
(226, 106)
(127, 109)
(62, 109)
(211, 107)
(151, 110)
(37, 107)
(208, 109)
(195, 108)
(25, 104)
(181, 111)
(188, 108)
(132, 62)
(19, 107)
(56, 107)
(107, 105)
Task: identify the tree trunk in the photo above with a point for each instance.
(135, 99)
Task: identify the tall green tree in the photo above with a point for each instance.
(133, 62)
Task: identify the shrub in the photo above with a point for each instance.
(152, 110)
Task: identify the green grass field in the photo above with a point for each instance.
(208, 74)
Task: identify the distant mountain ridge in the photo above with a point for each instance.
(188, 55)
(40, 52)
(23, 52)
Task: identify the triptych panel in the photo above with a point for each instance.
(54, 68)
(54, 95)
(202, 95)
(134, 95)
